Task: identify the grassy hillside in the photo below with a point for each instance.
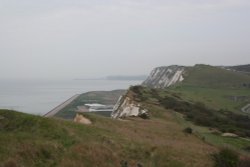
(27, 140)
(216, 87)
(232, 99)
(210, 76)
(241, 68)
(208, 123)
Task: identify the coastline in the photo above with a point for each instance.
(61, 106)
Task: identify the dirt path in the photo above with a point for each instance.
(61, 106)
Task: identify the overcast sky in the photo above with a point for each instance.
(96, 38)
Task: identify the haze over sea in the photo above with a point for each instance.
(40, 96)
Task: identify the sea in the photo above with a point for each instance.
(40, 96)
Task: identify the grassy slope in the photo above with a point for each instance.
(210, 76)
(27, 140)
(215, 87)
(242, 68)
(151, 97)
(238, 144)
(217, 98)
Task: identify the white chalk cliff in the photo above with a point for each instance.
(127, 107)
(162, 77)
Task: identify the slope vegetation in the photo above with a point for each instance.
(216, 87)
(28, 140)
(241, 68)
(209, 124)
(210, 76)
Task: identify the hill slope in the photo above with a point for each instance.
(241, 68)
(198, 75)
(209, 124)
(217, 87)
(28, 140)
(210, 76)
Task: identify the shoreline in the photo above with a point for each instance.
(58, 108)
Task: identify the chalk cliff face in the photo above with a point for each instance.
(127, 107)
(162, 77)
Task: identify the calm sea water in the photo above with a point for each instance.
(40, 96)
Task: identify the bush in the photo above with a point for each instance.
(124, 163)
(226, 158)
(136, 89)
(245, 162)
(144, 116)
(188, 130)
(247, 148)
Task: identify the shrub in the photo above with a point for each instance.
(124, 163)
(144, 116)
(244, 162)
(226, 158)
(188, 130)
(136, 89)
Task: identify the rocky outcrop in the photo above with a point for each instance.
(229, 135)
(162, 77)
(79, 118)
(127, 107)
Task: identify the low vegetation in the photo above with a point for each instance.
(214, 77)
(223, 120)
(226, 158)
(188, 130)
(229, 158)
(206, 122)
(27, 140)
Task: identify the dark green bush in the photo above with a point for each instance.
(225, 121)
(124, 163)
(144, 116)
(247, 148)
(226, 158)
(188, 130)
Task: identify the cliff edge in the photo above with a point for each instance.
(128, 106)
(162, 77)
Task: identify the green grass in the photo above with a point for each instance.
(185, 100)
(209, 76)
(27, 140)
(216, 98)
(207, 135)
(215, 87)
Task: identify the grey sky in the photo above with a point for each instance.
(95, 38)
